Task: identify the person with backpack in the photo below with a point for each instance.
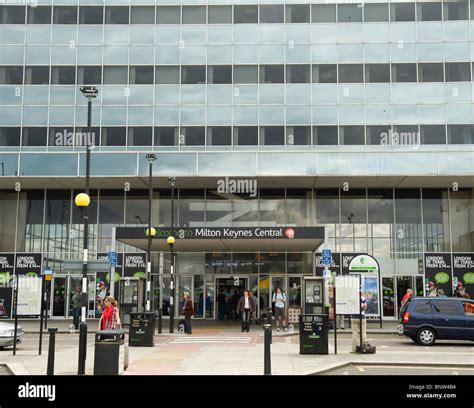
(279, 299)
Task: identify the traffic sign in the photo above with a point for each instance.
(326, 257)
(112, 257)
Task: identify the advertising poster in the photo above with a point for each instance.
(28, 264)
(370, 290)
(134, 265)
(7, 262)
(6, 302)
(463, 275)
(438, 275)
(335, 266)
(347, 294)
(29, 295)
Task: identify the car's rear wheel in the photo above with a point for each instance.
(426, 336)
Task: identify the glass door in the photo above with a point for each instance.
(185, 286)
(58, 297)
(294, 291)
(210, 297)
(263, 294)
(74, 282)
(388, 293)
(199, 298)
(403, 283)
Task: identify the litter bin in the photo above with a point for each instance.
(314, 334)
(142, 329)
(109, 356)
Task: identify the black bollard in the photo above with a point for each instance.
(82, 349)
(269, 322)
(51, 350)
(267, 358)
(160, 321)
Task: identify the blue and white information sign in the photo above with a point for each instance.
(326, 257)
(112, 257)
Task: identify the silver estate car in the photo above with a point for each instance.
(7, 332)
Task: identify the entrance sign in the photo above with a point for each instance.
(347, 300)
(363, 263)
(29, 295)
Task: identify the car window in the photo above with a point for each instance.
(422, 307)
(468, 308)
(447, 307)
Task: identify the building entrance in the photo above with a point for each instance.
(229, 291)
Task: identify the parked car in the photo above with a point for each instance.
(7, 333)
(426, 319)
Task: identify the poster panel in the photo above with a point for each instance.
(29, 295)
(463, 275)
(438, 280)
(347, 294)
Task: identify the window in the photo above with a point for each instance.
(323, 13)
(168, 15)
(325, 135)
(245, 135)
(460, 134)
(140, 136)
(326, 73)
(167, 75)
(34, 136)
(297, 13)
(10, 136)
(194, 136)
(402, 12)
(298, 135)
(141, 75)
(193, 74)
(88, 137)
(422, 307)
(378, 135)
(351, 135)
(12, 14)
(219, 14)
(166, 136)
(63, 75)
(117, 15)
(447, 307)
(272, 135)
(272, 74)
(377, 12)
(114, 136)
(115, 75)
(405, 135)
(433, 134)
(65, 15)
(458, 71)
(89, 75)
(403, 72)
(11, 75)
(91, 15)
(37, 75)
(39, 15)
(245, 14)
(297, 74)
(143, 15)
(429, 11)
(245, 74)
(271, 13)
(219, 74)
(349, 13)
(457, 10)
(219, 136)
(194, 14)
(377, 73)
(351, 73)
(431, 72)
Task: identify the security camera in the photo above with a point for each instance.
(89, 91)
(172, 180)
(151, 157)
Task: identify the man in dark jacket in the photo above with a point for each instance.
(245, 308)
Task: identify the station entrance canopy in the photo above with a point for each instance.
(227, 239)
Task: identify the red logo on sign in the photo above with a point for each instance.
(290, 233)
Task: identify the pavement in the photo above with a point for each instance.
(221, 349)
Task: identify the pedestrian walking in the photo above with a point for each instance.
(78, 300)
(188, 311)
(245, 308)
(254, 300)
(279, 299)
(110, 319)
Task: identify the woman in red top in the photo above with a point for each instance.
(407, 296)
(110, 319)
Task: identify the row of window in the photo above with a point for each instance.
(237, 74)
(239, 135)
(238, 14)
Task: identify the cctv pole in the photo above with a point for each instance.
(148, 265)
(85, 256)
(172, 297)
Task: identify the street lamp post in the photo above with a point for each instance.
(82, 201)
(172, 181)
(151, 232)
(171, 240)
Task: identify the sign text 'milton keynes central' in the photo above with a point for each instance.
(232, 233)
